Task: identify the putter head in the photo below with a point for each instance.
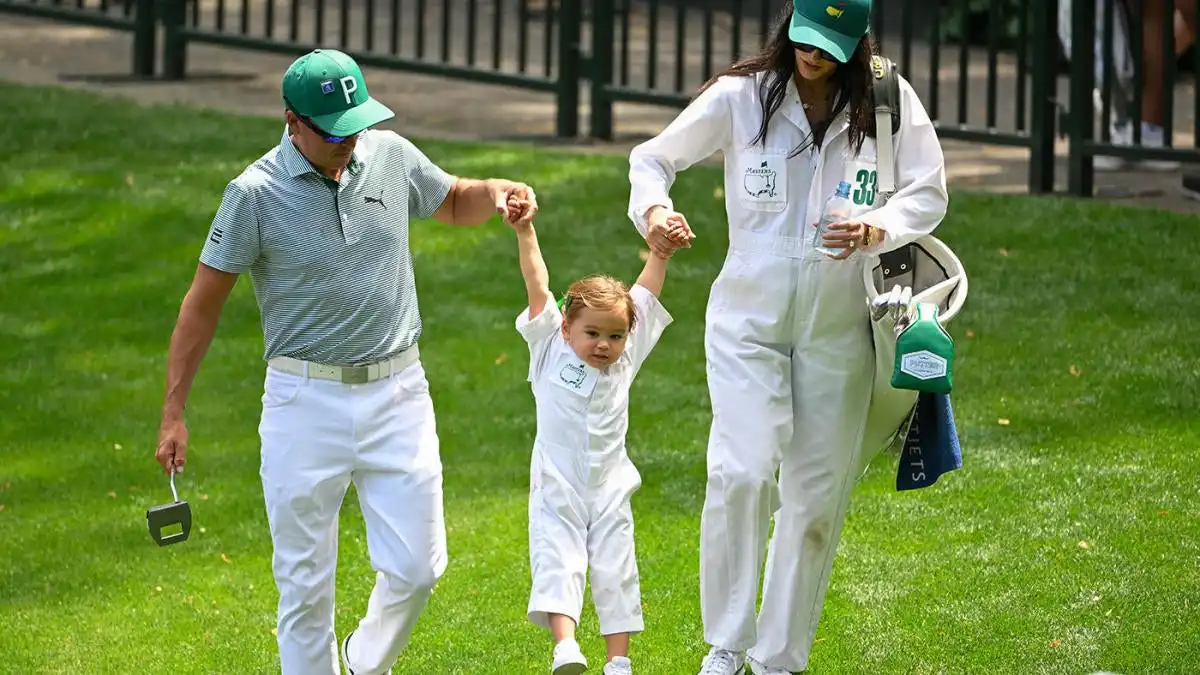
(164, 516)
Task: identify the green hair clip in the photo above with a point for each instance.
(564, 302)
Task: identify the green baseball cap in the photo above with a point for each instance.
(328, 87)
(836, 26)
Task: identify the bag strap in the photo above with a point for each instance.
(886, 94)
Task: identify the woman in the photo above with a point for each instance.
(787, 338)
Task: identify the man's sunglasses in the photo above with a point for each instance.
(808, 49)
(325, 136)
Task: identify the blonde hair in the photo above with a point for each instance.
(600, 293)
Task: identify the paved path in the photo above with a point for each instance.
(238, 80)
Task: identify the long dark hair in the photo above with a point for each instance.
(852, 82)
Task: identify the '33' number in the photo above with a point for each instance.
(868, 184)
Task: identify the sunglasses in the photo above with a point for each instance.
(808, 49)
(325, 136)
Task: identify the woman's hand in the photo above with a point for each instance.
(667, 231)
(848, 236)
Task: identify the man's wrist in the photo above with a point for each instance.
(172, 414)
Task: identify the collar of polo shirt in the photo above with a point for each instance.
(298, 165)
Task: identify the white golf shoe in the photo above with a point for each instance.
(723, 662)
(759, 669)
(345, 656)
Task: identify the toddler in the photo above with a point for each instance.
(583, 355)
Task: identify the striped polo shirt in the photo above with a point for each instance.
(330, 262)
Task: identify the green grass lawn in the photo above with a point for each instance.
(1069, 542)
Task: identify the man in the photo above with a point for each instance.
(321, 224)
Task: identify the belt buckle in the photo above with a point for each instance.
(354, 374)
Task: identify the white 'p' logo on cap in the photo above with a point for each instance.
(349, 86)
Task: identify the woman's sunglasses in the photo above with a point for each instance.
(809, 49)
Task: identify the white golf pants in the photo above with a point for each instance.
(790, 364)
(581, 520)
(317, 437)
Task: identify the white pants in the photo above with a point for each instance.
(317, 437)
(790, 365)
(579, 518)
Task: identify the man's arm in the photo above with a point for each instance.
(472, 202)
(467, 202)
(194, 330)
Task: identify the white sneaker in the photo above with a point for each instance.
(1152, 137)
(722, 662)
(568, 659)
(620, 665)
(759, 669)
(1118, 135)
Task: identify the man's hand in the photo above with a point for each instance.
(518, 213)
(667, 231)
(172, 445)
(516, 203)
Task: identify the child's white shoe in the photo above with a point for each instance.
(620, 665)
(568, 659)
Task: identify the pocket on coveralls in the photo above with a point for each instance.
(764, 180)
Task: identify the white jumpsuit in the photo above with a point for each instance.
(581, 479)
(789, 348)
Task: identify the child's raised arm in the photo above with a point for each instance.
(533, 269)
(655, 272)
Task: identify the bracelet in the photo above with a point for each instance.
(869, 236)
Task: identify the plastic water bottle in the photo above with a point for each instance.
(837, 210)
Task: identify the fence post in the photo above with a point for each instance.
(174, 19)
(1080, 170)
(1044, 113)
(603, 18)
(145, 33)
(570, 30)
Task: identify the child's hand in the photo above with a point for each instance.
(680, 235)
(517, 211)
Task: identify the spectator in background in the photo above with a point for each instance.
(1152, 16)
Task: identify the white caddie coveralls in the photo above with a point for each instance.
(581, 480)
(788, 345)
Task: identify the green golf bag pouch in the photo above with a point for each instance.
(924, 352)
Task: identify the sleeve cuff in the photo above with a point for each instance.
(638, 213)
(222, 265)
(541, 326)
(648, 306)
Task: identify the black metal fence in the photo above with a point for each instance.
(989, 71)
(136, 16)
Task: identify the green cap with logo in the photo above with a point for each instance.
(837, 26)
(327, 86)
